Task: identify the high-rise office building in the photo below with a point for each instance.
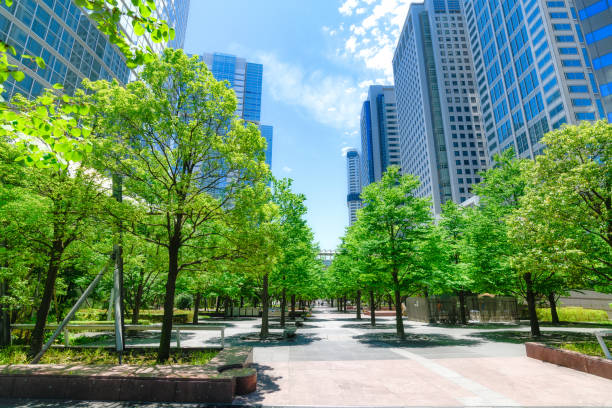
(379, 133)
(268, 133)
(532, 69)
(244, 77)
(353, 173)
(595, 17)
(441, 135)
(71, 45)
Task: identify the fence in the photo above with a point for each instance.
(445, 309)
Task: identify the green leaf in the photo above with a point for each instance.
(18, 75)
(139, 29)
(8, 3)
(58, 86)
(41, 62)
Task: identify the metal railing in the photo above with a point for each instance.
(111, 328)
(600, 335)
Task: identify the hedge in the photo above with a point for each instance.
(573, 314)
(149, 316)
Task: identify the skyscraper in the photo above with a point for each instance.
(244, 77)
(353, 172)
(533, 70)
(596, 21)
(268, 133)
(379, 133)
(441, 136)
(71, 45)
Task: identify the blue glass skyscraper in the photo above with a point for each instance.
(379, 133)
(596, 20)
(246, 79)
(71, 45)
(533, 70)
(268, 133)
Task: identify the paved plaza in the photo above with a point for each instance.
(337, 361)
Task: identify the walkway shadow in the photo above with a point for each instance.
(277, 326)
(21, 403)
(252, 340)
(266, 384)
(477, 326)
(519, 337)
(368, 326)
(413, 340)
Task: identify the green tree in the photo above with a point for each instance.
(174, 138)
(397, 223)
(568, 203)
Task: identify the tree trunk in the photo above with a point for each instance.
(218, 304)
(399, 320)
(553, 308)
(138, 300)
(205, 305)
(264, 308)
(462, 310)
(196, 308)
(292, 315)
(283, 306)
(38, 334)
(372, 309)
(390, 302)
(358, 305)
(531, 304)
(166, 332)
(332, 302)
(241, 301)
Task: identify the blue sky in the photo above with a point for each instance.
(319, 56)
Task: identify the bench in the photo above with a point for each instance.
(138, 327)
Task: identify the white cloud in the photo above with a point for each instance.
(374, 30)
(347, 7)
(345, 149)
(287, 169)
(330, 99)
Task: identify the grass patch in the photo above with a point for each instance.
(547, 337)
(574, 314)
(95, 356)
(591, 348)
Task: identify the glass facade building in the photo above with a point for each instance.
(71, 45)
(533, 70)
(438, 107)
(379, 133)
(268, 133)
(245, 78)
(595, 17)
(353, 173)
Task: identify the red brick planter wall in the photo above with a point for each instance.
(571, 359)
(212, 383)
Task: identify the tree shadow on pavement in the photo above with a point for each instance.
(277, 326)
(413, 340)
(275, 340)
(520, 337)
(368, 326)
(266, 384)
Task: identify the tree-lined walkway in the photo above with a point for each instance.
(338, 361)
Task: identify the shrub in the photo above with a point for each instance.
(96, 315)
(184, 301)
(574, 314)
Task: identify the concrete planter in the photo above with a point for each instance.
(228, 374)
(570, 359)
